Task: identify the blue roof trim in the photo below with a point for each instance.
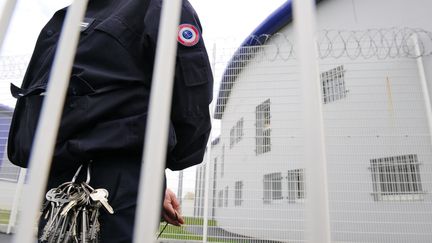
(276, 21)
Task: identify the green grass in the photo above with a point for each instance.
(180, 233)
(4, 216)
(199, 221)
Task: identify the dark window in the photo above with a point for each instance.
(226, 197)
(220, 198)
(236, 133)
(272, 187)
(333, 84)
(296, 185)
(263, 128)
(396, 178)
(238, 193)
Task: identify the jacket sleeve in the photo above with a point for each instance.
(193, 89)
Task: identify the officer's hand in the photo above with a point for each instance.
(171, 209)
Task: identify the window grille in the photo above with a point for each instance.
(333, 84)
(238, 193)
(236, 133)
(396, 178)
(223, 161)
(296, 185)
(220, 198)
(272, 187)
(263, 128)
(226, 197)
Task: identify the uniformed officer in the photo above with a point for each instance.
(106, 108)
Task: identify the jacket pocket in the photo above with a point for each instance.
(194, 67)
(26, 118)
(121, 32)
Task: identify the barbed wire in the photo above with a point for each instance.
(372, 43)
(353, 44)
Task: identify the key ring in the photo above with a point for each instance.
(76, 174)
(79, 170)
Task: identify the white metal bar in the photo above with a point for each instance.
(16, 201)
(317, 209)
(424, 83)
(5, 18)
(46, 134)
(206, 191)
(150, 188)
(180, 188)
(209, 162)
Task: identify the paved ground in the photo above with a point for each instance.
(213, 232)
(5, 238)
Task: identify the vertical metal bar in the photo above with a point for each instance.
(5, 18)
(423, 82)
(209, 162)
(317, 209)
(46, 134)
(16, 200)
(206, 194)
(180, 187)
(150, 188)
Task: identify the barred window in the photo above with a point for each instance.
(396, 178)
(333, 84)
(223, 161)
(272, 187)
(236, 133)
(238, 193)
(226, 197)
(296, 185)
(220, 198)
(263, 128)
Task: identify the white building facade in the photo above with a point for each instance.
(377, 132)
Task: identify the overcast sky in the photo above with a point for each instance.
(230, 19)
(227, 21)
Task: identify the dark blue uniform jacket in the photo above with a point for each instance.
(106, 107)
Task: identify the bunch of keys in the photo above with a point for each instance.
(73, 211)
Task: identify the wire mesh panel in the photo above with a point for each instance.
(378, 141)
(12, 70)
(251, 186)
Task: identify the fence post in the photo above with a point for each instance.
(180, 187)
(206, 192)
(5, 18)
(424, 83)
(46, 134)
(209, 162)
(317, 209)
(16, 201)
(150, 187)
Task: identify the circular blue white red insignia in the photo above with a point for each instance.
(188, 35)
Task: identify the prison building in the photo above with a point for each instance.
(377, 134)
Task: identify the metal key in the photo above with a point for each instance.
(84, 224)
(101, 195)
(94, 222)
(74, 200)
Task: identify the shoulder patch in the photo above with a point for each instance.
(188, 35)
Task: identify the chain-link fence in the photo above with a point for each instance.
(378, 143)
(12, 69)
(251, 187)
